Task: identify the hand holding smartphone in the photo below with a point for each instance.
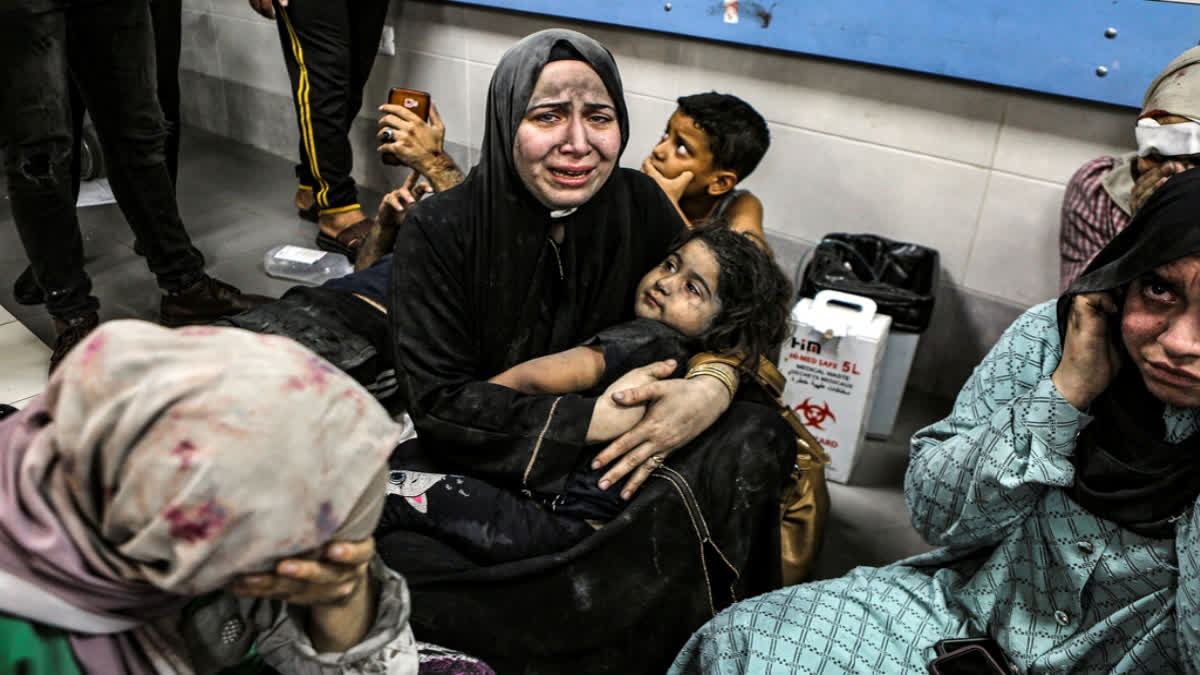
(413, 100)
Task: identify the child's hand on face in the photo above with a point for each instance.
(674, 187)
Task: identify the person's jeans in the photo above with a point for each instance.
(108, 47)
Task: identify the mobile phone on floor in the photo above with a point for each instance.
(414, 100)
(949, 646)
(973, 660)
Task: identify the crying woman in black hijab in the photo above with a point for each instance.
(539, 249)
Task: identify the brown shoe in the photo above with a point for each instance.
(70, 333)
(348, 241)
(205, 301)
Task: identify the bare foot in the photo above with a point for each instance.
(334, 223)
(305, 199)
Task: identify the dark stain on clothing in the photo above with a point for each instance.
(184, 452)
(326, 523)
(195, 523)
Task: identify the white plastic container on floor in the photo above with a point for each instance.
(831, 363)
(305, 264)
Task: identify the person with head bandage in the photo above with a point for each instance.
(1104, 194)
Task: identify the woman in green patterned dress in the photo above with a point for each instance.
(1062, 490)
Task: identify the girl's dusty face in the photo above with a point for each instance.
(681, 292)
(569, 139)
(1160, 327)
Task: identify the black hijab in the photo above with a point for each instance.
(1125, 471)
(528, 297)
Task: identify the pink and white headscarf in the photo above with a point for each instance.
(161, 464)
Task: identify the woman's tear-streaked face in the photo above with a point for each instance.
(569, 138)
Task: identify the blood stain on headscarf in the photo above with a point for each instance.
(93, 346)
(326, 523)
(195, 523)
(184, 452)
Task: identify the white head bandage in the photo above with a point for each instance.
(1168, 140)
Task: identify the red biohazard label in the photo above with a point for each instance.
(814, 415)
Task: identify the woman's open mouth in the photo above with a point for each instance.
(571, 177)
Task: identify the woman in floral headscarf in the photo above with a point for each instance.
(159, 467)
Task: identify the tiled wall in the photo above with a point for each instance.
(972, 170)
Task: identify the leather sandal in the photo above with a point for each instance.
(348, 241)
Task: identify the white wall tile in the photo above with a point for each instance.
(196, 6)
(235, 8)
(812, 184)
(250, 53)
(647, 119)
(24, 364)
(1015, 255)
(1048, 138)
(478, 77)
(430, 27)
(198, 43)
(934, 116)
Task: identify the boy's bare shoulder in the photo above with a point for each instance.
(745, 214)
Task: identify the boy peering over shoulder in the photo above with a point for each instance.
(712, 142)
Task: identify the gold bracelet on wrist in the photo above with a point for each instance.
(733, 360)
(715, 371)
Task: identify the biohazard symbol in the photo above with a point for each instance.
(815, 416)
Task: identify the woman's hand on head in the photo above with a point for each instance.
(414, 141)
(674, 187)
(332, 579)
(1090, 357)
(679, 410)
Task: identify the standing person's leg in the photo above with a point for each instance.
(316, 43)
(166, 16)
(111, 52)
(35, 125)
(25, 289)
(366, 25)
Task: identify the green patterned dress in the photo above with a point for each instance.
(1060, 589)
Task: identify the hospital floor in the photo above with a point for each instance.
(236, 202)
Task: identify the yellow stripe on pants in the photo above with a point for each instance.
(306, 131)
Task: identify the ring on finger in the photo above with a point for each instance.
(656, 461)
(386, 135)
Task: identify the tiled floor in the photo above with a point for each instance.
(237, 203)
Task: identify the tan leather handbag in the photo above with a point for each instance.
(804, 501)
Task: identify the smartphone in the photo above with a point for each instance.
(942, 647)
(415, 100)
(973, 660)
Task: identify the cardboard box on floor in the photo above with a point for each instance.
(832, 366)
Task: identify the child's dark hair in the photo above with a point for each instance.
(755, 294)
(737, 134)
